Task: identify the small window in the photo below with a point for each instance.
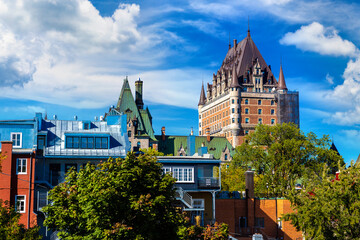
(238, 120)
(259, 102)
(246, 132)
(238, 110)
(242, 222)
(272, 121)
(21, 166)
(233, 120)
(20, 203)
(166, 170)
(246, 120)
(259, 222)
(41, 142)
(232, 101)
(272, 111)
(260, 121)
(237, 101)
(101, 142)
(245, 80)
(16, 139)
(259, 111)
(86, 125)
(272, 102)
(246, 101)
(233, 110)
(138, 144)
(225, 157)
(246, 111)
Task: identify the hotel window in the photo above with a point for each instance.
(41, 142)
(259, 102)
(244, 80)
(246, 131)
(233, 110)
(233, 120)
(246, 120)
(272, 102)
(129, 133)
(21, 166)
(237, 101)
(272, 121)
(20, 203)
(246, 101)
(246, 111)
(259, 111)
(166, 170)
(183, 174)
(232, 101)
(260, 121)
(16, 139)
(101, 143)
(242, 222)
(272, 111)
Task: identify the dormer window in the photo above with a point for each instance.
(86, 125)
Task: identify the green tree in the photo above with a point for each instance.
(232, 178)
(10, 229)
(330, 208)
(283, 154)
(119, 199)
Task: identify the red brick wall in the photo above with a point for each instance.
(12, 184)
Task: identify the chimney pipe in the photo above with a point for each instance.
(249, 183)
(235, 43)
(207, 131)
(163, 133)
(138, 94)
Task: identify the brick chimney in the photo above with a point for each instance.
(207, 132)
(163, 133)
(249, 183)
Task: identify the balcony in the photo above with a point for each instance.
(208, 182)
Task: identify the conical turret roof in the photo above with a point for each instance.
(282, 84)
(234, 78)
(202, 96)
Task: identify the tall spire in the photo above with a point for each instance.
(281, 84)
(202, 96)
(229, 41)
(234, 78)
(248, 27)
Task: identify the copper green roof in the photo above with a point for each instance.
(172, 144)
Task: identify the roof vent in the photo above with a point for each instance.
(55, 117)
(75, 118)
(95, 118)
(101, 118)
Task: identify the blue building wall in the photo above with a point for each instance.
(27, 128)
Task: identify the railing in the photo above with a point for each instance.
(208, 182)
(82, 152)
(183, 196)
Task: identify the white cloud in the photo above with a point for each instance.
(317, 38)
(65, 52)
(329, 79)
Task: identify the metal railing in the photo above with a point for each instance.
(208, 182)
(183, 196)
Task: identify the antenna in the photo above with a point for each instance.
(248, 26)
(229, 41)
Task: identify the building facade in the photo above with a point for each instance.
(244, 93)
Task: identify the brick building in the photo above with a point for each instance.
(244, 93)
(248, 215)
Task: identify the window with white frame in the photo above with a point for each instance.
(16, 139)
(183, 174)
(21, 166)
(20, 203)
(166, 170)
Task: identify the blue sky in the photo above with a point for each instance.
(70, 57)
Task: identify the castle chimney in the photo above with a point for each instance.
(249, 183)
(207, 132)
(138, 94)
(163, 133)
(235, 43)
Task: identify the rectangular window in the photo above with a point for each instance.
(86, 125)
(233, 120)
(260, 121)
(272, 102)
(246, 131)
(16, 139)
(259, 222)
(246, 120)
(242, 222)
(246, 101)
(20, 203)
(259, 111)
(232, 101)
(41, 142)
(272, 111)
(166, 170)
(101, 142)
(272, 121)
(233, 110)
(259, 102)
(246, 111)
(21, 166)
(183, 174)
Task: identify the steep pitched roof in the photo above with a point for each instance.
(172, 144)
(234, 78)
(243, 55)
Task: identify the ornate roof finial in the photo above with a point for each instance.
(229, 41)
(248, 27)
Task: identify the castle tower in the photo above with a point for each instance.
(244, 93)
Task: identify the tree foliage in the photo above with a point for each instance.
(330, 208)
(10, 229)
(119, 199)
(283, 154)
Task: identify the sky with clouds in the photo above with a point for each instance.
(70, 57)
